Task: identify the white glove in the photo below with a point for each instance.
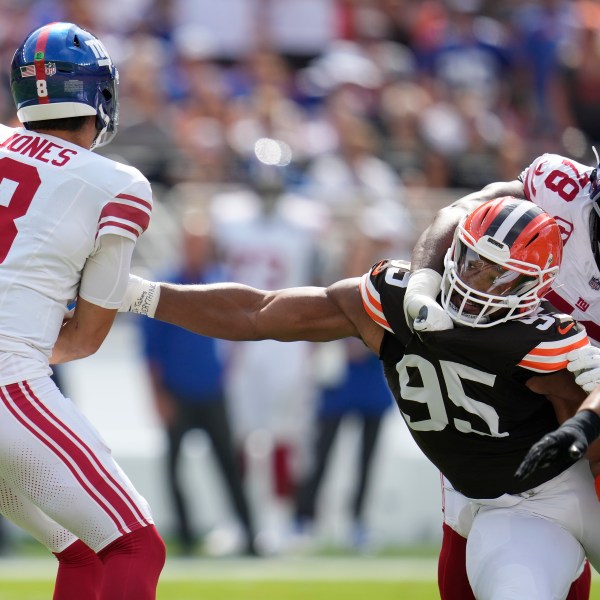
(421, 309)
(432, 317)
(585, 363)
(141, 296)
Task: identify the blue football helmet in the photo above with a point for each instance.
(61, 71)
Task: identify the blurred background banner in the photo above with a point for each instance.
(310, 138)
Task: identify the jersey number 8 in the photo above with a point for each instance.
(18, 184)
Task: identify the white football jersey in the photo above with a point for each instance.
(269, 384)
(561, 187)
(56, 201)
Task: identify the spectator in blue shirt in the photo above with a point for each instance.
(186, 372)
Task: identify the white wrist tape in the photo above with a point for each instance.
(424, 282)
(141, 296)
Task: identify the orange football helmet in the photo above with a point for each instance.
(503, 259)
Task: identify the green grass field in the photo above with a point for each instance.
(260, 590)
(251, 590)
(399, 577)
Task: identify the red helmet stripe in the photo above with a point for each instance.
(40, 63)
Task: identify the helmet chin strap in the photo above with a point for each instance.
(102, 122)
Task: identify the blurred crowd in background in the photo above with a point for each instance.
(447, 93)
(310, 138)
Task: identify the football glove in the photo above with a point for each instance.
(432, 317)
(141, 296)
(585, 363)
(421, 309)
(571, 439)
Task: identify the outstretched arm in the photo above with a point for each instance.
(237, 312)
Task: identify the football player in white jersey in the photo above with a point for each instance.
(269, 387)
(474, 397)
(569, 192)
(69, 221)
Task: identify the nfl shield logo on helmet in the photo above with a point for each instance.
(50, 68)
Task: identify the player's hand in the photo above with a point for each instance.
(585, 363)
(432, 317)
(571, 439)
(421, 309)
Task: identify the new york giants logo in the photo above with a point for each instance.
(99, 52)
(581, 304)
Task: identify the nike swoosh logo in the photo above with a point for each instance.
(563, 330)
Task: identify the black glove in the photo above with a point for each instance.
(572, 438)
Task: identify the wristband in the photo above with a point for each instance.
(597, 486)
(146, 298)
(588, 422)
(424, 282)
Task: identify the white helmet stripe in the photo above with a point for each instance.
(515, 214)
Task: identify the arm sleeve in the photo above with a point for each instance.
(106, 272)
(128, 213)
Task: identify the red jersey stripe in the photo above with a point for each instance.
(592, 328)
(119, 225)
(127, 212)
(131, 198)
(559, 302)
(527, 184)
